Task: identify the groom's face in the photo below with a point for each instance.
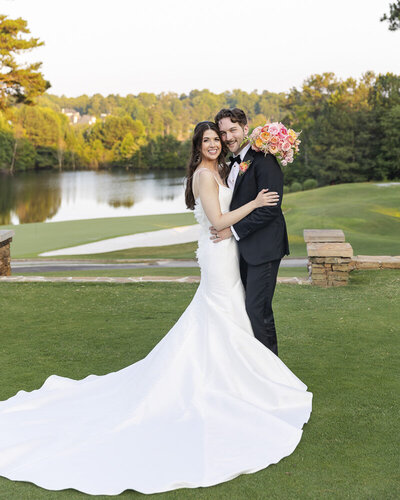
(232, 134)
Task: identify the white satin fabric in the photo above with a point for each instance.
(208, 403)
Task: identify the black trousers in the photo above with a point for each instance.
(259, 283)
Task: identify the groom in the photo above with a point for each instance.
(262, 235)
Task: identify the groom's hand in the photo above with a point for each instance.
(218, 236)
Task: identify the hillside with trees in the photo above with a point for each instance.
(350, 128)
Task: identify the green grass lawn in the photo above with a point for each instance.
(183, 251)
(298, 272)
(369, 215)
(32, 239)
(342, 342)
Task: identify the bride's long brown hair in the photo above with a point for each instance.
(196, 157)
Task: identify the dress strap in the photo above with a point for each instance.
(208, 170)
(194, 178)
(200, 170)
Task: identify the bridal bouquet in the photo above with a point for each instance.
(276, 139)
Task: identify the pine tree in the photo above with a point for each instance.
(18, 83)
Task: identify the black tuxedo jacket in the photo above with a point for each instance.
(262, 233)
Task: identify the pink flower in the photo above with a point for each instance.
(289, 156)
(274, 129)
(274, 140)
(286, 146)
(290, 139)
(283, 130)
(255, 133)
(273, 149)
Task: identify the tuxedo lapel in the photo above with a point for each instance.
(248, 156)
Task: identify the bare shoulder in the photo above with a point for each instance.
(203, 171)
(204, 182)
(205, 176)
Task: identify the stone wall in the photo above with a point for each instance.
(329, 271)
(5, 257)
(375, 262)
(329, 257)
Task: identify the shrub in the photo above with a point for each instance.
(296, 186)
(286, 189)
(309, 184)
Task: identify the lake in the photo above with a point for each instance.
(59, 196)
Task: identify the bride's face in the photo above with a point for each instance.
(210, 146)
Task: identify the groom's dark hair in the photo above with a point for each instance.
(235, 114)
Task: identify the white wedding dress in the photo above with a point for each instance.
(208, 403)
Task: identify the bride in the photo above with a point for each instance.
(208, 403)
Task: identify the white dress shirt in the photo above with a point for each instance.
(232, 179)
(235, 169)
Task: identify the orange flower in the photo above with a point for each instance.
(274, 141)
(290, 139)
(265, 136)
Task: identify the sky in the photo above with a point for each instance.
(131, 46)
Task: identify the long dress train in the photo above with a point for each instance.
(208, 403)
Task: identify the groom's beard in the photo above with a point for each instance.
(241, 145)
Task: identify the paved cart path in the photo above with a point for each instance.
(40, 265)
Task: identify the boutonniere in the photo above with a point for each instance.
(244, 166)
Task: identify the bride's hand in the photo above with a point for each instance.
(267, 199)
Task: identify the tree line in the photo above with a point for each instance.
(350, 128)
(142, 132)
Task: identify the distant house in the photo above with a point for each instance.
(76, 119)
(73, 115)
(87, 120)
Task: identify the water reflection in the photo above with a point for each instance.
(32, 199)
(55, 196)
(128, 203)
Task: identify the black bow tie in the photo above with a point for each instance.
(235, 159)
